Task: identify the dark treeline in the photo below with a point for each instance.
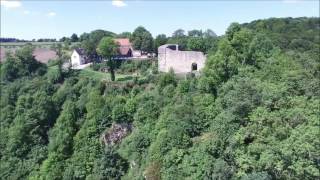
(253, 113)
(12, 40)
(8, 40)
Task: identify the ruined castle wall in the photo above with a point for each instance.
(179, 61)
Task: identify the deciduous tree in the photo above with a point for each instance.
(108, 48)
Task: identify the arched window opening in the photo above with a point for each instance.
(194, 67)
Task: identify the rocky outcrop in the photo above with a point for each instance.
(116, 133)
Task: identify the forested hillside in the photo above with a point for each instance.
(253, 113)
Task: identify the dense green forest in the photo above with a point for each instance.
(253, 113)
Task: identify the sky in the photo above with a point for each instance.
(34, 19)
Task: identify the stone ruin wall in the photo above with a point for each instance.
(179, 61)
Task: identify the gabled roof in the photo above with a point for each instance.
(80, 51)
(123, 42)
(124, 50)
(124, 46)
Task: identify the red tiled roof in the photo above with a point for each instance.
(124, 50)
(123, 42)
(124, 46)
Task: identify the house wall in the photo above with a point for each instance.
(136, 53)
(76, 59)
(179, 61)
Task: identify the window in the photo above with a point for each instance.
(194, 67)
(172, 47)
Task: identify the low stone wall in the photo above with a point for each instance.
(179, 61)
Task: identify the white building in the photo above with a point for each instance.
(136, 53)
(79, 57)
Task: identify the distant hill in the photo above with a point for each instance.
(289, 33)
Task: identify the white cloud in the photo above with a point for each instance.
(10, 4)
(118, 3)
(51, 14)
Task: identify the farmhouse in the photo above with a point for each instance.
(125, 48)
(79, 57)
(125, 51)
(181, 62)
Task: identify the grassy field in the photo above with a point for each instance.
(12, 46)
(97, 75)
(6, 44)
(42, 51)
(87, 72)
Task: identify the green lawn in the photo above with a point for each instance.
(94, 74)
(97, 75)
(50, 68)
(87, 72)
